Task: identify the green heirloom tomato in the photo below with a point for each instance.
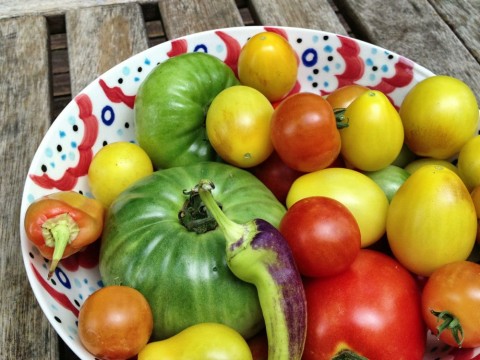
(150, 243)
(389, 178)
(171, 106)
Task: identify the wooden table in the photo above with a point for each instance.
(51, 49)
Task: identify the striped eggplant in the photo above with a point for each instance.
(258, 254)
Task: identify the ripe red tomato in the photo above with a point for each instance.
(304, 132)
(371, 309)
(276, 175)
(323, 235)
(455, 288)
(115, 322)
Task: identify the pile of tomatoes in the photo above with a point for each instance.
(382, 223)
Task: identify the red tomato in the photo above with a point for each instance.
(304, 132)
(115, 322)
(372, 309)
(276, 175)
(323, 235)
(454, 287)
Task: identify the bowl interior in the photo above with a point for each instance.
(103, 113)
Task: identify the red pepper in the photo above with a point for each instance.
(63, 223)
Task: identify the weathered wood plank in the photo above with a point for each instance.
(313, 14)
(463, 16)
(419, 34)
(185, 17)
(24, 115)
(93, 48)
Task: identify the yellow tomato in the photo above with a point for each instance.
(469, 163)
(476, 201)
(238, 126)
(418, 163)
(439, 114)
(431, 220)
(360, 194)
(268, 63)
(374, 135)
(203, 341)
(115, 167)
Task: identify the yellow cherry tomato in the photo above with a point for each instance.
(374, 135)
(238, 126)
(204, 341)
(431, 220)
(268, 63)
(413, 166)
(439, 115)
(469, 162)
(115, 167)
(360, 194)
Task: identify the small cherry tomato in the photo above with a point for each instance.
(450, 303)
(374, 135)
(238, 126)
(323, 235)
(276, 175)
(343, 96)
(115, 322)
(115, 167)
(439, 115)
(268, 63)
(304, 132)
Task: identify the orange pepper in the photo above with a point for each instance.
(63, 223)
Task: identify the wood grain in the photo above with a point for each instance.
(313, 14)
(413, 28)
(185, 17)
(25, 118)
(101, 37)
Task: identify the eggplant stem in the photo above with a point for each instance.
(449, 322)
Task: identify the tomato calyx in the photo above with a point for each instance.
(449, 322)
(347, 354)
(194, 215)
(342, 121)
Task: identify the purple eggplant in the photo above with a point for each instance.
(257, 253)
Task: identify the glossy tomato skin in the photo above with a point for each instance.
(268, 63)
(343, 96)
(476, 202)
(439, 115)
(360, 194)
(372, 308)
(431, 220)
(323, 235)
(374, 136)
(276, 175)
(304, 132)
(238, 126)
(454, 287)
(115, 322)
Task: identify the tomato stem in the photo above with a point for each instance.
(348, 354)
(450, 322)
(342, 121)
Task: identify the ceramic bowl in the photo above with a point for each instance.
(103, 113)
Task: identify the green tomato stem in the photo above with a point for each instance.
(348, 355)
(449, 322)
(342, 121)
